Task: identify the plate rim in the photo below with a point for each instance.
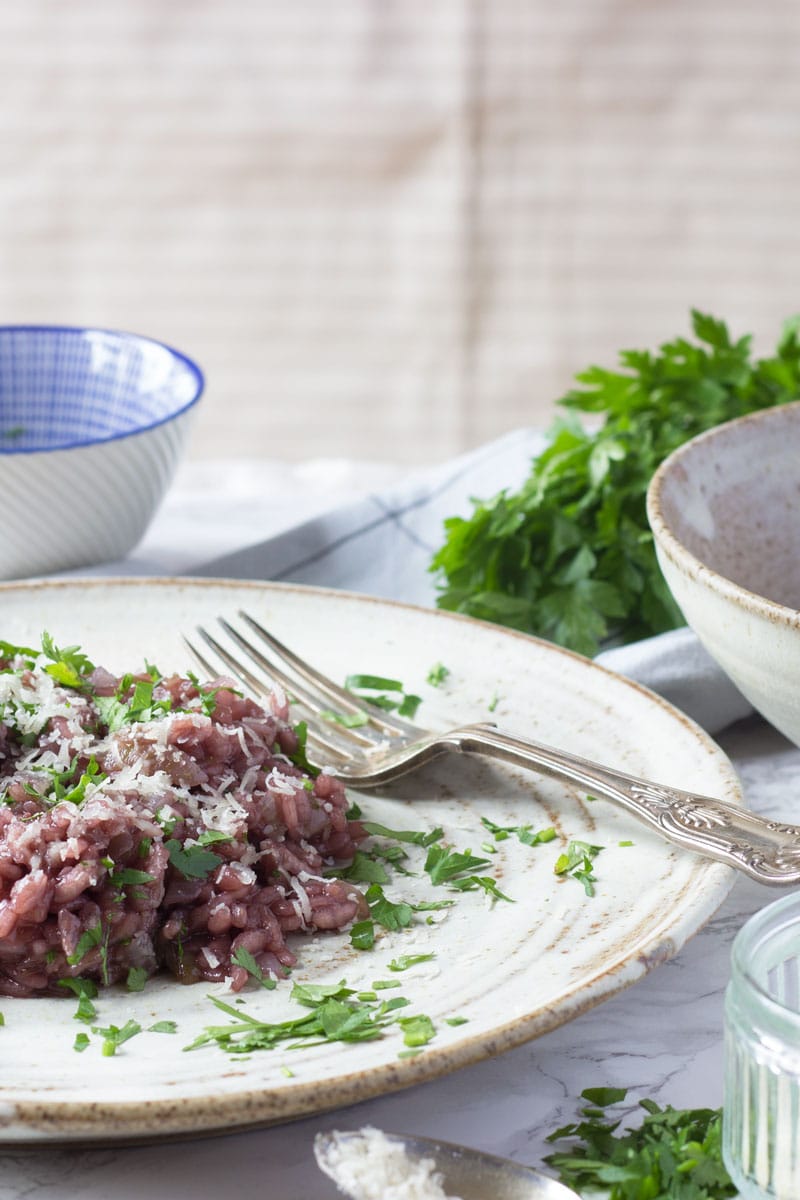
(145, 1121)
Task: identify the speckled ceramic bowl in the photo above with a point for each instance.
(725, 514)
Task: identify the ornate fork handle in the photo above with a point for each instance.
(767, 851)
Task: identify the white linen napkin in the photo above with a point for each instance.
(383, 544)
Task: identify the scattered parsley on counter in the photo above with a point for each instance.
(675, 1154)
(570, 556)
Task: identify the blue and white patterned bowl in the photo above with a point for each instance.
(92, 425)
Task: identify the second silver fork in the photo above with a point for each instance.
(382, 746)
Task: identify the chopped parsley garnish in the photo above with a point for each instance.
(437, 674)
(119, 710)
(193, 862)
(362, 935)
(352, 720)
(333, 1018)
(211, 837)
(432, 905)
(86, 991)
(525, 833)
(395, 855)
(372, 683)
(675, 1154)
(137, 978)
(445, 865)
(88, 939)
(336, 1014)
(9, 651)
(363, 869)
(374, 689)
(404, 961)
(128, 876)
(95, 936)
(300, 755)
(387, 913)
(415, 837)
(417, 1031)
(473, 883)
(114, 1036)
(243, 958)
(60, 791)
(206, 696)
(577, 862)
(69, 665)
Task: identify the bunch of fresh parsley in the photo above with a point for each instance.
(570, 556)
(675, 1154)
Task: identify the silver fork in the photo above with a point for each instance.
(386, 746)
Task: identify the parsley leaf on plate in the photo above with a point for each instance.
(577, 861)
(69, 665)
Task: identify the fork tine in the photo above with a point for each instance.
(311, 700)
(331, 745)
(340, 696)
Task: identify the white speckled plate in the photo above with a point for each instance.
(513, 970)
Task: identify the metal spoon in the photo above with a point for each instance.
(468, 1174)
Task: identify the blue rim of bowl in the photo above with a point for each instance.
(114, 437)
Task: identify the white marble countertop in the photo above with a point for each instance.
(661, 1038)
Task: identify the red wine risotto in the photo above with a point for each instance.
(150, 822)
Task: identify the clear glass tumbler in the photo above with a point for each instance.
(761, 1115)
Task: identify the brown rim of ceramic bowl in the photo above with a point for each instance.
(684, 559)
